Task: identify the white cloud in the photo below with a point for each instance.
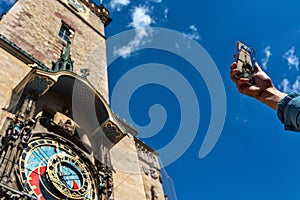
(141, 17)
(193, 33)
(296, 85)
(287, 87)
(141, 20)
(118, 4)
(265, 60)
(193, 28)
(166, 13)
(157, 1)
(293, 60)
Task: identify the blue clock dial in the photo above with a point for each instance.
(51, 170)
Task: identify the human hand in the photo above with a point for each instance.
(262, 89)
(262, 82)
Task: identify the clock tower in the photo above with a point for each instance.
(59, 137)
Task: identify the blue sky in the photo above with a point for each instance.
(254, 157)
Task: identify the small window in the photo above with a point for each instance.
(68, 67)
(65, 32)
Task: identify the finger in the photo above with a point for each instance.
(235, 78)
(242, 81)
(257, 68)
(233, 75)
(233, 66)
(241, 87)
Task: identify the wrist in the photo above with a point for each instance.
(271, 97)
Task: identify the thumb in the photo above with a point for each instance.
(257, 68)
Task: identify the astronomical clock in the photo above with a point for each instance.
(59, 138)
(51, 168)
(54, 147)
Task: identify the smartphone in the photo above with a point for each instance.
(245, 59)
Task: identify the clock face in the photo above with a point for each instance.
(77, 5)
(51, 170)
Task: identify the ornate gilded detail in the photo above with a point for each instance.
(105, 182)
(40, 84)
(112, 132)
(28, 107)
(18, 129)
(52, 163)
(74, 167)
(17, 136)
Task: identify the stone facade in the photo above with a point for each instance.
(12, 71)
(150, 168)
(34, 25)
(120, 166)
(129, 182)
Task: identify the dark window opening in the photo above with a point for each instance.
(65, 32)
(53, 65)
(68, 67)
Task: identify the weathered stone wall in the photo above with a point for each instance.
(149, 181)
(34, 26)
(150, 168)
(128, 180)
(12, 71)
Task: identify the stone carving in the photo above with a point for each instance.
(18, 130)
(64, 122)
(153, 193)
(27, 109)
(147, 155)
(105, 182)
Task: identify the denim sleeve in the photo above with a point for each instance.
(289, 110)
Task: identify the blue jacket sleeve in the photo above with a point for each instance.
(289, 111)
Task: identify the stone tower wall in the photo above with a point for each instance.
(34, 25)
(128, 178)
(12, 71)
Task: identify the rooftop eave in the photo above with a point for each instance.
(19, 53)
